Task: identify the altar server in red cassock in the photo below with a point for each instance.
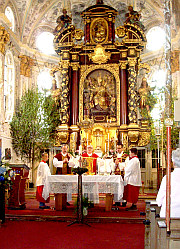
(93, 155)
(42, 173)
(132, 179)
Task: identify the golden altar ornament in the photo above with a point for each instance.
(100, 55)
(87, 162)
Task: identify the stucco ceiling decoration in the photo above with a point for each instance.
(41, 15)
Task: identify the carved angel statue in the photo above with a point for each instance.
(134, 17)
(63, 22)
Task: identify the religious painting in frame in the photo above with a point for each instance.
(99, 31)
(100, 93)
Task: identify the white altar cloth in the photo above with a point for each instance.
(93, 184)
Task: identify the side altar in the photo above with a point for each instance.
(98, 92)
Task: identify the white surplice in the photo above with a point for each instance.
(175, 195)
(132, 174)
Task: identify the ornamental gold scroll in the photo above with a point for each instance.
(26, 65)
(4, 38)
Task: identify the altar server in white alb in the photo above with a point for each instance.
(175, 189)
(132, 180)
(42, 174)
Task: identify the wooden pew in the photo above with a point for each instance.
(156, 236)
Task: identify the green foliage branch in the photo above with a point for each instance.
(33, 124)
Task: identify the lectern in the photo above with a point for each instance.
(17, 191)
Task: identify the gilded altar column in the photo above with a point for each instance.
(110, 28)
(87, 29)
(64, 99)
(123, 94)
(133, 127)
(62, 130)
(74, 109)
(132, 91)
(74, 94)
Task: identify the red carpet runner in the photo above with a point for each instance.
(52, 235)
(97, 211)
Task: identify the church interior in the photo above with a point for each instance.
(110, 71)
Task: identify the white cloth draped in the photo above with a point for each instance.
(175, 195)
(92, 184)
(105, 165)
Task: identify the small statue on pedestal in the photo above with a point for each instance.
(99, 2)
(144, 91)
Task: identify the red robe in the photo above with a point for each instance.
(94, 161)
(66, 169)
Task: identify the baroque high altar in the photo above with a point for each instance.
(99, 66)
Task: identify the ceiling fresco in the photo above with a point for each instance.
(35, 16)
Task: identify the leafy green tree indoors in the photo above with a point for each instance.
(33, 125)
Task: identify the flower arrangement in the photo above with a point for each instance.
(5, 174)
(85, 205)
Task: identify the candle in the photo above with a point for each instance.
(105, 147)
(87, 139)
(80, 149)
(108, 142)
(122, 138)
(115, 143)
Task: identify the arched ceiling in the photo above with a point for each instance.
(35, 16)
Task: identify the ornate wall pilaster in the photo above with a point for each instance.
(4, 39)
(132, 91)
(1, 86)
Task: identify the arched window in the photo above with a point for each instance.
(44, 81)
(155, 38)
(10, 15)
(44, 43)
(9, 81)
(158, 80)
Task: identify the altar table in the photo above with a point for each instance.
(91, 184)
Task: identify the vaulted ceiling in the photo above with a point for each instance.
(35, 16)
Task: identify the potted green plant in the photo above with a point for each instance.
(5, 182)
